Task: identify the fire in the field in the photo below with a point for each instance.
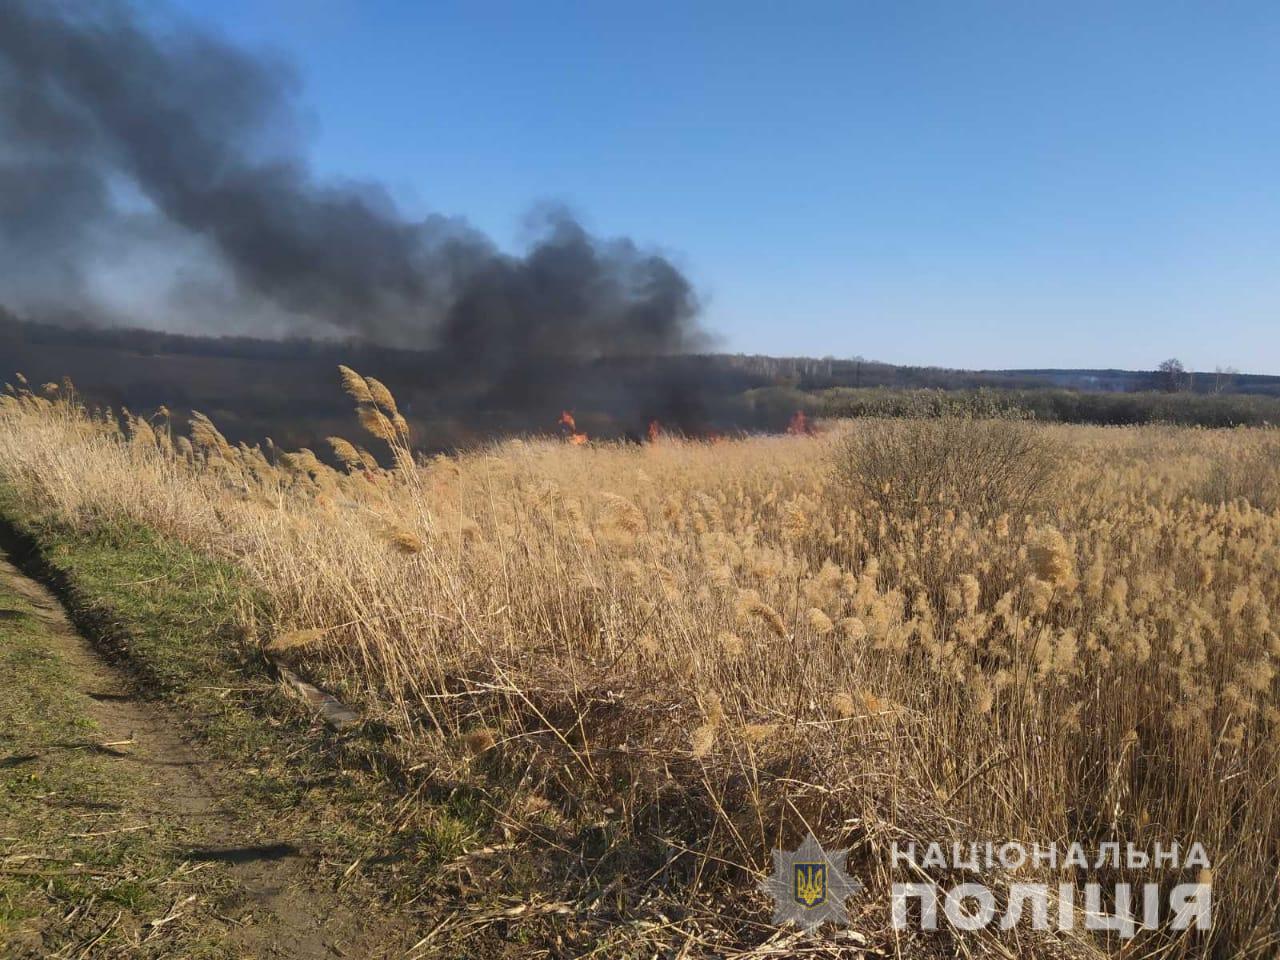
(572, 434)
(800, 425)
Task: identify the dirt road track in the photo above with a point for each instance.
(262, 887)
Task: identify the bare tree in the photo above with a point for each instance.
(1224, 378)
(1171, 376)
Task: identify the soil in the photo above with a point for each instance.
(260, 890)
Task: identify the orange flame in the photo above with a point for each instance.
(800, 425)
(574, 437)
(655, 431)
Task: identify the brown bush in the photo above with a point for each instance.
(982, 467)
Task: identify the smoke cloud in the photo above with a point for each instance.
(129, 152)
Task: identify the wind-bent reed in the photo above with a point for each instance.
(1070, 639)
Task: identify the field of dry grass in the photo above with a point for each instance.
(691, 653)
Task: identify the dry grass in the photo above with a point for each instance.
(982, 632)
(982, 467)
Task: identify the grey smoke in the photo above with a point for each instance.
(125, 143)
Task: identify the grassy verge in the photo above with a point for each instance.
(170, 616)
(72, 873)
(180, 624)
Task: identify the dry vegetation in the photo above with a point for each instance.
(930, 630)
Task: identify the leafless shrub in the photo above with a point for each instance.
(983, 467)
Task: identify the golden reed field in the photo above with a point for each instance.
(922, 631)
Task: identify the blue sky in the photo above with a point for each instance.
(952, 183)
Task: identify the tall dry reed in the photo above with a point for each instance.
(718, 646)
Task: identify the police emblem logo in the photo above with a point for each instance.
(809, 885)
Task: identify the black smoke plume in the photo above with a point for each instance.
(133, 148)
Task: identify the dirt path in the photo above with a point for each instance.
(243, 891)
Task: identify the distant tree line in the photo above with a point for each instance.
(1048, 405)
(288, 389)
